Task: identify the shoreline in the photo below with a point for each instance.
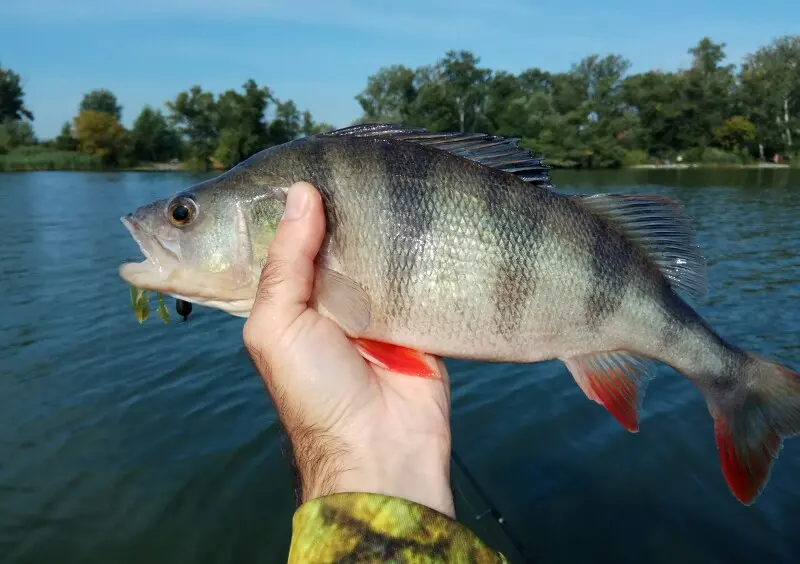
(682, 166)
(181, 167)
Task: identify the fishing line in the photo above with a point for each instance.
(493, 511)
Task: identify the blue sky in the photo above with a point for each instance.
(320, 52)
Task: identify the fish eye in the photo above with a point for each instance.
(182, 210)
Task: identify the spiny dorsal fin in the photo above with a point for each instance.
(502, 153)
(661, 227)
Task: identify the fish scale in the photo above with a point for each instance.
(457, 245)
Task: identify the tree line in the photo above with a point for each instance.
(198, 128)
(596, 114)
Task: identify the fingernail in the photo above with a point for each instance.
(296, 203)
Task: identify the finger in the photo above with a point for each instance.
(287, 278)
(441, 367)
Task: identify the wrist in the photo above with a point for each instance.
(417, 470)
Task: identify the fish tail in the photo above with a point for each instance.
(754, 408)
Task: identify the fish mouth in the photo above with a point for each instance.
(154, 271)
(162, 271)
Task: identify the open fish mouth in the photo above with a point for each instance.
(162, 271)
(154, 271)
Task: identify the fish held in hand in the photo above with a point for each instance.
(457, 245)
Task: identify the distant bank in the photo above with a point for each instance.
(182, 167)
(37, 160)
(708, 165)
(175, 166)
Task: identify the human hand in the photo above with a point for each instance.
(354, 427)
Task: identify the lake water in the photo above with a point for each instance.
(122, 442)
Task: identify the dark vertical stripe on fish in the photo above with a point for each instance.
(519, 237)
(411, 201)
(318, 171)
(610, 277)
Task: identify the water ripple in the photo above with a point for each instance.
(150, 443)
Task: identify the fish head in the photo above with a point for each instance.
(206, 244)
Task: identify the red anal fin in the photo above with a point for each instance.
(746, 466)
(615, 380)
(398, 359)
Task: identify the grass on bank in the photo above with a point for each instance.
(42, 158)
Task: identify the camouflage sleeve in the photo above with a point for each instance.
(364, 527)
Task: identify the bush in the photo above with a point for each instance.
(635, 157)
(694, 155)
(713, 156)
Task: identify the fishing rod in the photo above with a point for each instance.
(493, 511)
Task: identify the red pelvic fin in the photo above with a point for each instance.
(398, 359)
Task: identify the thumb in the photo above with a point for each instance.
(287, 279)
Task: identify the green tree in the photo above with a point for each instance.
(465, 86)
(597, 114)
(12, 105)
(102, 100)
(65, 141)
(655, 98)
(15, 133)
(735, 133)
(506, 105)
(287, 124)
(608, 126)
(449, 95)
(707, 90)
(389, 96)
(100, 134)
(770, 93)
(193, 114)
(153, 139)
(433, 108)
(240, 122)
(310, 127)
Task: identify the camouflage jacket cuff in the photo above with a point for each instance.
(365, 527)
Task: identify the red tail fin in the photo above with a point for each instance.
(750, 430)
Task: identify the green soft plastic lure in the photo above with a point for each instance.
(140, 304)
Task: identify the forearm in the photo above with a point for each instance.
(417, 470)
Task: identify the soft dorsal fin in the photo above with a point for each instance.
(502, 153)
(660, 226)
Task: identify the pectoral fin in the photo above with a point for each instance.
(342, 299)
